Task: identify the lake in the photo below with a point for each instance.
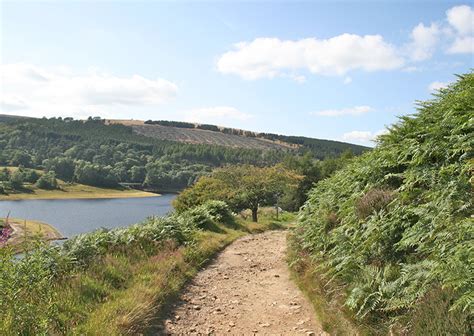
(75, 216)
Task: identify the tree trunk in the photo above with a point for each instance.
(254, 215)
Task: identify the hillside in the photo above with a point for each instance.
(193, 133)
(103, 154)
(390, 236)
(198, 136)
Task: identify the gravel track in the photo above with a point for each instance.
(246, 290)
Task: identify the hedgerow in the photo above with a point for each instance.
(396, 225)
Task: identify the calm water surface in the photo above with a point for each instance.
(75, 216)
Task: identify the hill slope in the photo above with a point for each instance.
(395, 227)
(198, 136)
(97, 153)
(231, 137)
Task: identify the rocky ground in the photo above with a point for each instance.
(246, 290)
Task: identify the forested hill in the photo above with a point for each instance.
(96, 153)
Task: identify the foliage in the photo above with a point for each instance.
(47, 181)
(63, 167)
(208, 127)
(396, 225)
(312, 171)
(92, 152)
(242, 187)
(179, 124)
(16, 180)
(112, 281)
(27, 304)
(373, 201)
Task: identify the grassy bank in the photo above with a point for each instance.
(156, 280)
(324, 296)
(73, 191)
(28, 232)
(116, 282)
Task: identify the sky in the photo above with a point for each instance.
(340, 70)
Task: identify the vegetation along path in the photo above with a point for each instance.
(247, 290)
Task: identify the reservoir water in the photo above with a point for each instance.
(75, 216)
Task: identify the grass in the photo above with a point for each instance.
(326, 299)
(26, 232)
(126, 292)
(154, 281)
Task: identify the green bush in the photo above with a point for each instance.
(219, 211)
(47, 181)
(396, 225)
(16, 180)
(30, 175)
(83, 248)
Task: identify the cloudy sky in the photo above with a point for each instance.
(333, 70)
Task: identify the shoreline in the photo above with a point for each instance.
(27, 231)
(64, 195)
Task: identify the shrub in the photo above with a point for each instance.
(219, 211)
(16, 180)
(5, 174)
(30, 175)
(83, 248)
(47, 181)
(373, 201)
(197, 217)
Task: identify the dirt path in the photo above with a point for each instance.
(246, 291)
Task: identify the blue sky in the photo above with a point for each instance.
(333, 70)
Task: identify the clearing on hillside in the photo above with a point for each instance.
(199, 136)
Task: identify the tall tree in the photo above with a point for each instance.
(242, 187)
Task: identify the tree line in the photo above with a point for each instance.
(93, 153)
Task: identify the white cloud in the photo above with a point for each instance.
(461, 19)
(272, 57)
(462, 45)
(215, 114)
(363, 137)
(347, 80)
(424, 40)
(351, 111)
(435, 86)
(59, 91)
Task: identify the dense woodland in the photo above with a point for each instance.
(93, 153)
